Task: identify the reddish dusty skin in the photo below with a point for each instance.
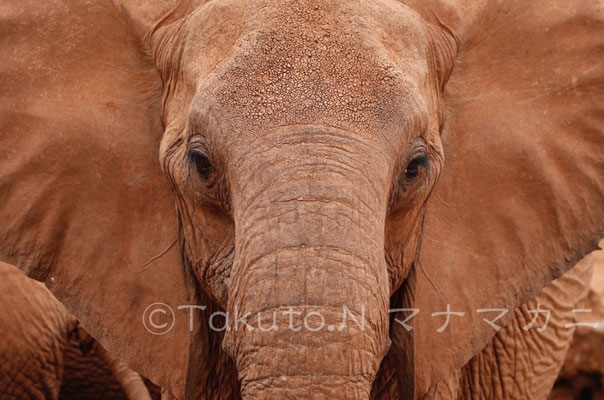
(45, 354)
(262, 155)
(530, 370)
(583, 369)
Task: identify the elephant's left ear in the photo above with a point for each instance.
(521, 196)
(84, 206)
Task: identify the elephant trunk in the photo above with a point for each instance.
(309, 287)
(130, 381)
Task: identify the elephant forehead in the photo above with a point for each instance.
(311, 67)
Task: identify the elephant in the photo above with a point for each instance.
(46, 354)
(352, 187)
(582, 375)
(530, 371)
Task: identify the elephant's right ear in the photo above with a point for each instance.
(83, 203)
(520, 198)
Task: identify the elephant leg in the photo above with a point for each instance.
(448, 389)
(524, 363)
(131, 382)
(165, 395)
(92, 373)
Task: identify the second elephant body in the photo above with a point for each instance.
(46, 355)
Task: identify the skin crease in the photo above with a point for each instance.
(529, 372)
(532, 370)
(265, 155)
(45, 354)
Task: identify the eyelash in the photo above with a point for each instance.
(201, 162)
(413, 168)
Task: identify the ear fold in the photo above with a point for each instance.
(83, 203)
(144, 16)
(520, 197)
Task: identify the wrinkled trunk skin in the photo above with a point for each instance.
(310, 240)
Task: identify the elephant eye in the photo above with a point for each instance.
(414, 166)
(201, 162)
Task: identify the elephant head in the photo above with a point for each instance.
(299, 162)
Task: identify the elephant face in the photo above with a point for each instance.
(294, 169)
(270, 101)
(284, 160)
